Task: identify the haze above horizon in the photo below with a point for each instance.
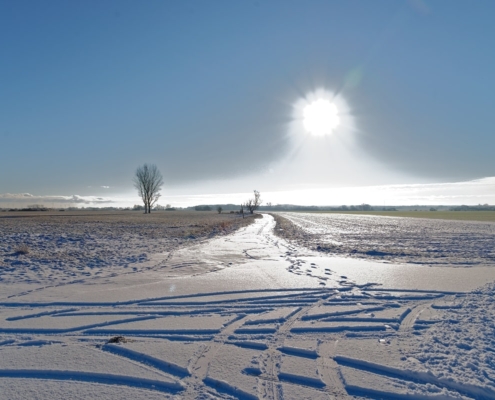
(218, 94)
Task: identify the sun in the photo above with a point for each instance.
(321, 117)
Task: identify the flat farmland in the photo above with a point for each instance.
(41, 247)
(481, 216)
(434, 242)
(246, 315)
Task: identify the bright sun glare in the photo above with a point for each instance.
(320, 117)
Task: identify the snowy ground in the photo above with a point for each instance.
(69, 246)
(432, 242)
(249, 316)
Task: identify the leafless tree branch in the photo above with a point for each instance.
(253, 204)
(148, 181)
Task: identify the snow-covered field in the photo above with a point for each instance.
(250, 315)
(434, 242)
(69, 246)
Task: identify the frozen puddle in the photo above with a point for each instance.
(251, 316)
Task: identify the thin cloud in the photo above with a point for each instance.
(23, 199)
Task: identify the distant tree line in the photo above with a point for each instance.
(292, 207)
(33, 207)
(479, 207)
(203, 208)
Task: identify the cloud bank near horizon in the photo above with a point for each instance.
(27, 199)
(479, 191)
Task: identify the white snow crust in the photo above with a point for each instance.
(253, 316)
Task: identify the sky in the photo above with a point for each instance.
(214, 92)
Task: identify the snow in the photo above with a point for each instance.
(432, 242)
(248, 316)
(242, 382)
(25, 388)
(300, 370)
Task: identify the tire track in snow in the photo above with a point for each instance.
(199, 369)
(407, 322)
(272, 356)
(93, 377)
(272, 344)
(330, 371)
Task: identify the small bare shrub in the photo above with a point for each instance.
(223, 225)
(22, 249)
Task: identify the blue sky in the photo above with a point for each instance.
(208, 91)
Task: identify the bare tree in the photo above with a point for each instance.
(148, 181)
(219, 209)
(254, 203)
